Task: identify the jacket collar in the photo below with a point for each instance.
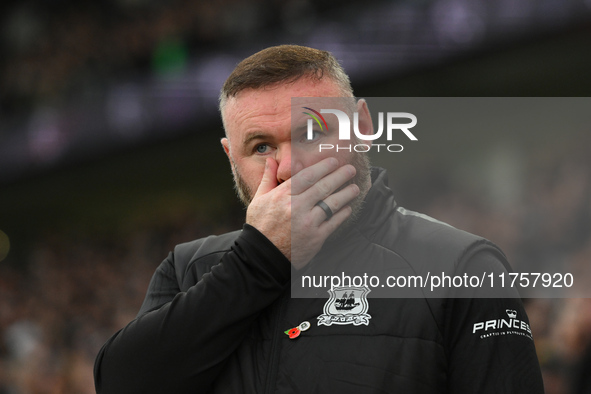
(379, 202)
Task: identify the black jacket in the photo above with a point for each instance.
(218, 312)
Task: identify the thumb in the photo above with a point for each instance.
(269, 181)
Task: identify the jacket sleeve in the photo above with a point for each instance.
(489, 341)
(183, 344)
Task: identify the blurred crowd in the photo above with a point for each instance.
(52, 49)
(55, 47)
(547, 229)
(73, 292)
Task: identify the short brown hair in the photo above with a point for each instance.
(284, 64)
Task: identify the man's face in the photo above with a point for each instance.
(259, 125)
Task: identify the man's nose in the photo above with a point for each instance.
(287, 163)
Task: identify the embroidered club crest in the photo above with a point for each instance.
(346, 305)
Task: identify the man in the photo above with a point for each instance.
(218, 316)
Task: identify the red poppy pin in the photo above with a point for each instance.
(293, 332)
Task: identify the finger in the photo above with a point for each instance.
(329, 226)
(329, 184)
(308, 177)
(269, 181)
(336, 202)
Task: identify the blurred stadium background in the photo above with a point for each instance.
(109, 151)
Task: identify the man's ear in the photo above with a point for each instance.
(365, 122)
(226, 145)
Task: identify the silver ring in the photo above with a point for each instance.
(325, 208)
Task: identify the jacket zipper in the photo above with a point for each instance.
(275, 346)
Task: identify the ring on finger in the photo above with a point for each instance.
(324, 206)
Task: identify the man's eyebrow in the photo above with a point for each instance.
(254, 136)
(298, 129)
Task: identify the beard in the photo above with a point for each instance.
(362, 179)
(245, 194)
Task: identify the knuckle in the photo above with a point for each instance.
(308, 222)
(306, 177)
(324, 188)
(335, 205)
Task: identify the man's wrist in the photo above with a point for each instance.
(266, 252)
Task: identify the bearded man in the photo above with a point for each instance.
(218, 316)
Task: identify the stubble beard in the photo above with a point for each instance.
(245, 194)
(362, 179)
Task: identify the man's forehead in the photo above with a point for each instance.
(256, 106)
(255, 101)
(279, 102)
(283, 92)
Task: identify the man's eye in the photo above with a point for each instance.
(263, 148)
(315, 135)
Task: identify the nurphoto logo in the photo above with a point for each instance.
(392, 124)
